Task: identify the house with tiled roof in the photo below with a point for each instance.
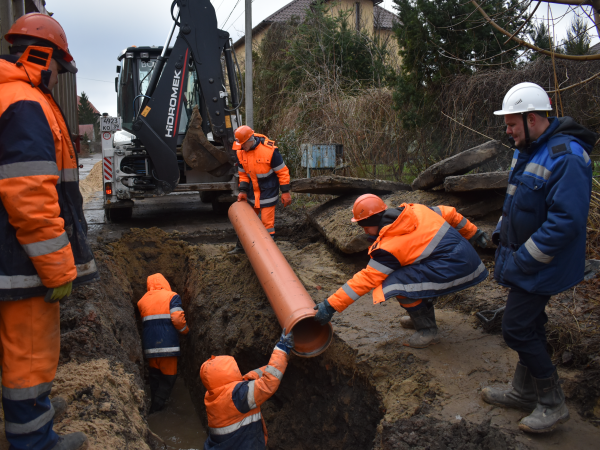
(364, 15)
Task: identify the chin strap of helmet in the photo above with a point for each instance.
(526, 129)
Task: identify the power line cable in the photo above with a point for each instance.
(233, 9)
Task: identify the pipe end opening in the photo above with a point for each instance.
(311, 338)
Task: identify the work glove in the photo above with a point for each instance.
(324, 312)
(480, 238)
(286, 198)
(242, 197)
(58, 293)
(286, 342)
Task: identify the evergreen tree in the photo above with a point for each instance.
(578, 39)
(442, 38)
(85, 111)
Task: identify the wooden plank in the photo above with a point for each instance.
(457, 165)
(337, 185)
(477, 182)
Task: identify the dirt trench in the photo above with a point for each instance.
(367, 391)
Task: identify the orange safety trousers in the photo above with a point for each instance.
(267, 217)
(166, 364)
(30, 348)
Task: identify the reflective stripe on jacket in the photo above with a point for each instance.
(542, 230)
(162, 317)
(262, 173)
(420, 255)
(42, 224)
(233, 402)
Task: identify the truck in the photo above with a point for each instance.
(177, 110)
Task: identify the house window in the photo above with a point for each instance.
(357, 15)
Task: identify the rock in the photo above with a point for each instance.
(336, 185)
(457, 165)
(477, 182)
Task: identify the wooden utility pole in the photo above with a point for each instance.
(248, 68)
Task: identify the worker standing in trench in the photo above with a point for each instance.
(163, 321)
(541, 239)
(419, 253)
(262, 173)
(233, 402)
(42, 227)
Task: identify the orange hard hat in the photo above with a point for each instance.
(367, 205)
(41, 26)
(243, 133)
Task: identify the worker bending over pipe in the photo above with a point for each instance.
(419, 253)
(233, 402)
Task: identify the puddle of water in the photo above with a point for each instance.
(178, 424)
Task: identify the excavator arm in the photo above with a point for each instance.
(199, 44)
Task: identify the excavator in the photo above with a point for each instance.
(178, 108)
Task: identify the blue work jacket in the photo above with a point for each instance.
(542, 230)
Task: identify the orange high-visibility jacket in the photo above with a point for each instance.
(42, 224)
(262, 173)
(424, 252)
(233, 402)
(163, 318)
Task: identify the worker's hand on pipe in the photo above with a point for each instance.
(58, 293)
(286, 342)
(480, 238)
(242, 197)
(286, 198)
(324, 312)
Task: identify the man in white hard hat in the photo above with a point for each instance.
(541, 244)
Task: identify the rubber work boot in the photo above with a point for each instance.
(60, 407)
(521, 396)
(551, 409)
(406, 322)
(237, 249)
(427, 331)
(72, 441)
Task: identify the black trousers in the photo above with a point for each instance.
(523, 329)
(161, 386)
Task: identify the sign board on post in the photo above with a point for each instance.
(321, 156)
(110, 124)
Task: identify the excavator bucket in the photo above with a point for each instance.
(199, 152)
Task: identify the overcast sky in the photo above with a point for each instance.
(98, 31)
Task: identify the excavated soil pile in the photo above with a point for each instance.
(332, 219)
(92, 183)
(424, 433)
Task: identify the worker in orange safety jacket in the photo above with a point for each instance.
(233, 402)
(262, 174)
(419, 253)
(43, 231)
(163, 320)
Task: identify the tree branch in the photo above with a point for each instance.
(533, 47)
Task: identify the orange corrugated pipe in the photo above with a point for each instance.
(290, 301)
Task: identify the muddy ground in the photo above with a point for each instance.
(367, 391)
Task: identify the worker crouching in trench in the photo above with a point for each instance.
(163, 319)
(419, 253)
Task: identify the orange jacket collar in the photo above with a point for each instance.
(157, 282)
(406, 223)
(28, 68)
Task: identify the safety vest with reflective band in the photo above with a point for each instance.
(262, 173)
(233, 402)
(542, 230)
(422, 254)
(42, 224)
(162, 318)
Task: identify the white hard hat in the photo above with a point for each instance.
(525, 97)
